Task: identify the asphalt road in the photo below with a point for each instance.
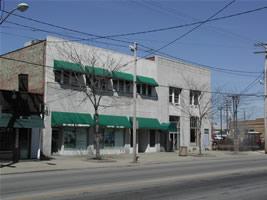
(244, 179)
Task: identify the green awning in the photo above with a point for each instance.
(169, 126)
(146, 80)
(67, 118)
(122, 76)
(147, 123)
(114, 121)
(32, 121)
(68, 66)
(97, 71)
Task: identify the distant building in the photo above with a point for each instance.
(163, 93)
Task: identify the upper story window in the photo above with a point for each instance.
(58, 76)
(119, 85)
(144, 90)
(101, 84)
(194, 97)
(174, 95)
(69, 78)
(23, 82)
(76, 79)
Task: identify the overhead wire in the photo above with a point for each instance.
(213, 68)
(170, 10)
(193, 29)
(250, 85)
(142, 32)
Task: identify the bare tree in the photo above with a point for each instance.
(200, 107)
(96, 67)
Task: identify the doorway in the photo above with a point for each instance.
(55, 147)
(174, 141)
(24, 143)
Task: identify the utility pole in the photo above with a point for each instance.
(134, 50)
(264, 45)
(227, 108)
(235, 99)
(220, 109)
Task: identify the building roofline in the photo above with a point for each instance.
(100, 48)
(191, 64)
(19, 49)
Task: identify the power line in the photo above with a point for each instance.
(234, 72)
(63, 35)
(141, 32)
(213, 68)
(252, 83)
(193, 29)
(205, 91)
(174, 12)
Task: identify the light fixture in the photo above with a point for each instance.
(22, 7)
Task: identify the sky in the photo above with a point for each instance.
(227, 44)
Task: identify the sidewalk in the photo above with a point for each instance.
(83, 162)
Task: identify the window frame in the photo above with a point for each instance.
(175, 95)
(23, 82)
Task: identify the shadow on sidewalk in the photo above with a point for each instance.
(10, 164)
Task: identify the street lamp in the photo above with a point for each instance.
(21, 7)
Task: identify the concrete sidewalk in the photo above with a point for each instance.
(83, 162)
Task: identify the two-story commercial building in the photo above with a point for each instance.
(75, 75)
(21, 103)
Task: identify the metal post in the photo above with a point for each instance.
(227, 118)
(134, 49)
(220, 108)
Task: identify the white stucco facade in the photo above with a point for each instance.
(167, 73)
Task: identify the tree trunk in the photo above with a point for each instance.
(97, 136)
(199, 142)
(199, 137)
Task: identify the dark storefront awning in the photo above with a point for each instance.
(67, 118)
(114, 121)
(33, 121)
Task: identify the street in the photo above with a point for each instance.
(231, 178)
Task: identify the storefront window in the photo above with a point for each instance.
(152, 138)
(109, 139)
(113, 138)
(75, 138)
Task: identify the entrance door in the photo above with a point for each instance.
(173, 138)
(24, 143)
(55, 141)
(206, 141)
